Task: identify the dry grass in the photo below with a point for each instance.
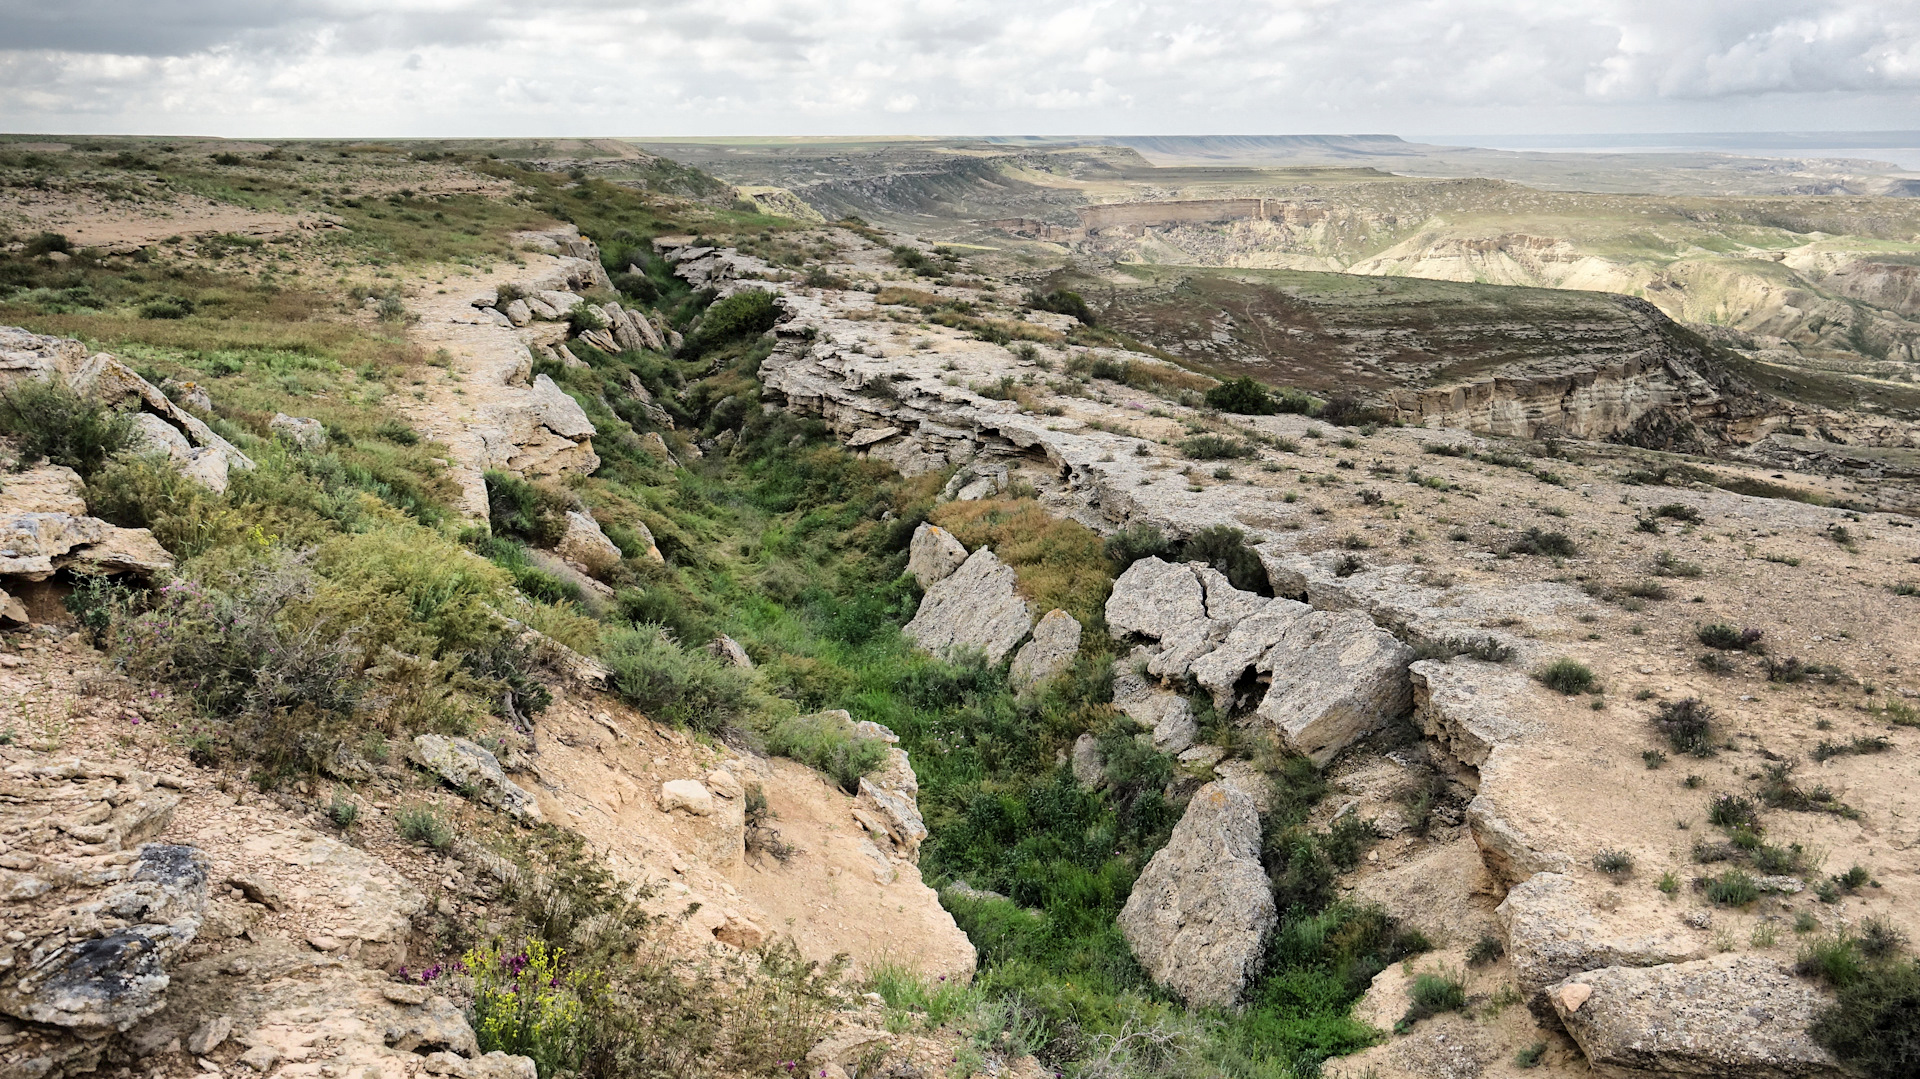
(1061, 563)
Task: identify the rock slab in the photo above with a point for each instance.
(1051, 650)
(974, 608)
(1199, 915)
(933, 555)
(472, 770)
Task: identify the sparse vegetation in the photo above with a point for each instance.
(1567, 676)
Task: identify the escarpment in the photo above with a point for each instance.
(1404, 588)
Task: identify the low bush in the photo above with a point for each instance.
(1064, 302)
(421, 824)
(747, 313)
(827, 742)
(1550, 544)
(1433, 992)
(688, 688)
(534, 513)
(1874, 1024)
(1614, 863)
(1567, 676)
(1225, 548)
(1137, 541)
(1242, 396)
(1734, 888)
(1687, 725)
(56, 424)
(1733, 811)
(1727, 638)
(1211, 447)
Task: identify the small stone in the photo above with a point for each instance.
(324, 943)
(1574, 994)
(401, 993)
(687, 794)
(210, 1036)
(260, 1058)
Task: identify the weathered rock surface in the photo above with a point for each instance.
(1511, 851)
(1335, 678)
(1051, 650)
(308, 434)
(1155, 598)
(729, 651)
(106, 379)
(34, 545)
(584, 543)
(369, 906)
(474, 771)
(892, 793)
(934, 554)
(44, 488)
(1199, 915)
(1732, 1015)
(95, 913)
(975, 607)
(1554, 932)
(688, 794)
(1089, 770)
(1467, 706)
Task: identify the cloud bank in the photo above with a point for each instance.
(668, 67)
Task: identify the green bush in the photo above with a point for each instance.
(747, 313)
(827, 742)
(1875, 1022)
(1225, 549)
(1568, 676)
(1687, 725)
(526, 511)
(54, 423)
(1064, 302)
(672, 684)
(1728, 638)
(1214, 448)
(1137, 541)
(1242, 396)
(1734, 888)
(166, 307)
(1550, 544)
(420, 824)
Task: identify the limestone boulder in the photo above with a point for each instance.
(45, 488)
(153, 435)
(475, 772)
(1089, 770)
(1050, 651)
(584, 543)
(891, 794)
(728, 651)
(1554, 932)
(557, 412)
(976, 607)
(1335, 677)
(519, 313)
(1468, 707)
(1740, 1015)
(933, 555)
(1154, 598)
(34, 545)
(1199, 914)
(1221, 670)
(304, 432)
(1512, 848)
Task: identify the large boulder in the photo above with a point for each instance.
(1199, 914)
(934, 554)
(586, 544)
(1554, 931)
(1730, 1015)
(472, 770)
(1154, 598)
(975, 607)
(1051, 650)
(1336, 677)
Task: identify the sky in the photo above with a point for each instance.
(513, 68)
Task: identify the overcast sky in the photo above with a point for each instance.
(686, 67)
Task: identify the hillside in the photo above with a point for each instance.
(465, 618)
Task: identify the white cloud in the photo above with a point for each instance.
(474, 67)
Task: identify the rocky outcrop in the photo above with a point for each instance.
(583, 542)
(1335, 677)
(1199, 915)
(1468, 707)
(205, 456)
(1553, 932)
(974, 608)
(933, 555)
(475, 772)
(1051, 650)
(1512, 852)
(1730, 1015)
(34, 545)
(95, 913)
(890, 795)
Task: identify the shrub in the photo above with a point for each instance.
(1835, 960)
(747, 313)
(827, 742)
(526, 511)
(343, 812)
(1875, 1022)
(1211, 447)
(46, 243)
(1536, 542)
(1727, 638)
(1063, 302)
(1433, 992)
(1679, 511)
(1734, 888)
(1567, 676)
(1614, 863)
(1137, 541)
(1485, 950)
(1531, 1056)
(1243, 396)
(669, 683)
(420, 824)
(55, 423)
(166, 307)
(525, 1002)
(1225, 549)
(1687, 725)
(1665, 564)
(1733, 811)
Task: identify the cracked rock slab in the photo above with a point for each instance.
(975, 607)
